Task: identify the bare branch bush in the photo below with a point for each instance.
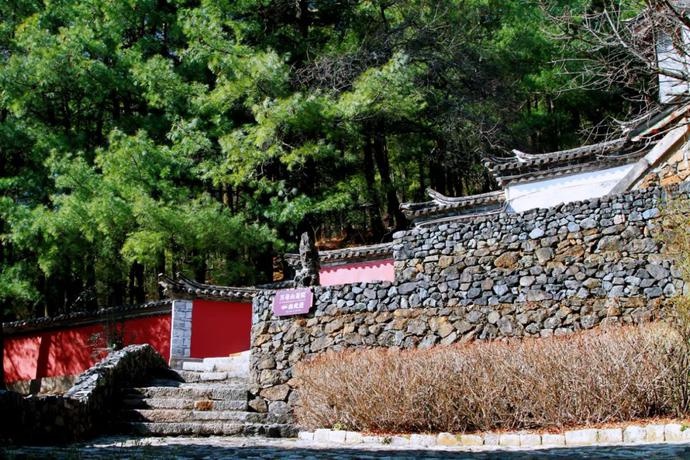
(628, 45)
(601, 376)
(676, 239)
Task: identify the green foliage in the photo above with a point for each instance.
(145, 136)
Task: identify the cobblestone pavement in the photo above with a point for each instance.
(259, 448)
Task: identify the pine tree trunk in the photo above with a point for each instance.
(89, 287)
(136, 284)
(160, 270)
(140, 292)
(437, 171)
(117, 293)
(383, 165)
(264, 265)
(374, 209)
(419, 196)
(200, 269)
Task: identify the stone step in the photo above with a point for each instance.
(192, 376)
(167, 383)
(198, 366)
(176, 363)
(185, 403)
(186, 428)
(236, 365)
(209, 429)
(187, 391)
(178, 416)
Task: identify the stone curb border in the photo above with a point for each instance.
(632, 434)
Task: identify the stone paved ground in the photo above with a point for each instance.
(258, 448)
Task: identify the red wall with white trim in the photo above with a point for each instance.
(220, 328)
(359, 272)
(71, 351)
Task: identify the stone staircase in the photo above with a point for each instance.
(203, 398)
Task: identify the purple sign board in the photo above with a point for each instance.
(289, 302)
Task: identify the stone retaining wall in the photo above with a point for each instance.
(545, 272)
(85, 408)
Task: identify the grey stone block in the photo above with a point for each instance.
(585, 437)
(610, 435)
(655, 433)
(322, 435)
(471, 440)
(548, 439)
(634, 433)
(530, 440)
(509, 440)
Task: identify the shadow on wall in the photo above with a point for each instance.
(70, 351)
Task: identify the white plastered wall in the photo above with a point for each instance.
(552, 192)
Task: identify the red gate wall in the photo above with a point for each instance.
(70, 351)
(220, 328)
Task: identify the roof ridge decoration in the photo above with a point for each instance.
(183, 286)
(469, 206)
(545, 158)
(444, 200)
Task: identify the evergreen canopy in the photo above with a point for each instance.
(147, 136)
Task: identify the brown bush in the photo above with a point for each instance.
(601, 376)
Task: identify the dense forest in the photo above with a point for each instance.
(140, 137)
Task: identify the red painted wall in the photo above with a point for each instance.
(360, 272)
(70, 351)
(220, 328)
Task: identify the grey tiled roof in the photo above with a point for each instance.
(530, 168)
(441, 205)
(81, 318)
(638, 141)
(184, 287)
(359, 253)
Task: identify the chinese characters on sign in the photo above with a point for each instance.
(292, 302)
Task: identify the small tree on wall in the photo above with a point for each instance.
(639, 48)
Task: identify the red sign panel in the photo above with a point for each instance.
(289, 302)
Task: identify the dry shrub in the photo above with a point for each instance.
(673, 232)
(600, 376)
